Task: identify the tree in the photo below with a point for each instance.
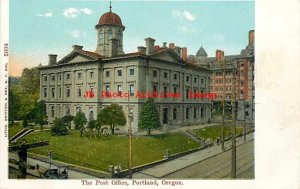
(99, 122)
(68, 119)
(30, 80)
(91, 125)
(40, 114)
(113, 115)
(25, 122)
(79, 121)
(13, 106)
(149, 117)
(59, 127)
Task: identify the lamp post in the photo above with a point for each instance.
(233, 138)
(130, 114)
(223, 107)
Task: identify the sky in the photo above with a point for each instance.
(41, 27)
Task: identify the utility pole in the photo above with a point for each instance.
(129, 138)
(245, 124)
(233, 138)
(223, 106)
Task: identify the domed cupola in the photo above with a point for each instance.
(110, 34)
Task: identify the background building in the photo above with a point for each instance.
(239, 67)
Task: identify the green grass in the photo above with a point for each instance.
(14, 129)
(99, 153)
(213, 132)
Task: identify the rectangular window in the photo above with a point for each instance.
(59, 77)
(202, 112)
(52, 78)
(119, 87)
(107, 73)
(195, 112)
(187, 78)
(52, 111)
(91, 74)
(119, 72)
(59, 92)
(175, 89)
(175, 76)
(165, 91)
(45, 92)
(68, 76)
(131, 90)
(52, 92)
(131, 72)
(68, 92)
(45, 78)
(154, 73)
(165, 75)
(187, 93)
(79, 92)
(107, 88)
(79, 75)
(174, 114)
(154, 88)
(195, 79)
(187, 112)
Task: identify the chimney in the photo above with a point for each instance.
(171, 45)
(52, 59)
(218, 55)
(184, 53)
(149, 45)
(77, 47)
(113, 47)
(156, 47)
(164, 45)
(142, 49)
(251, 37)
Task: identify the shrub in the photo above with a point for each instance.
(59, 127)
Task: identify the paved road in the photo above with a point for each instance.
(72, 174)
(208, 163)
(219, 166)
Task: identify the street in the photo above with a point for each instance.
(219, 166)
(207, 164)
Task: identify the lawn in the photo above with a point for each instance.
(13, 130)
(99, 153)
(213, 132)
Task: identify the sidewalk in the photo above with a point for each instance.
(169, 167)
(174, 129)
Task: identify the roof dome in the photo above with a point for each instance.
(201, 52)
(110, 18)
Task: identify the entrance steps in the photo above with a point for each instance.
(20, 134)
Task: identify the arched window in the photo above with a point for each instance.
(101, 37)
(120, 36)
(109, 34)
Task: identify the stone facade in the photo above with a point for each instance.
(67, 83)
